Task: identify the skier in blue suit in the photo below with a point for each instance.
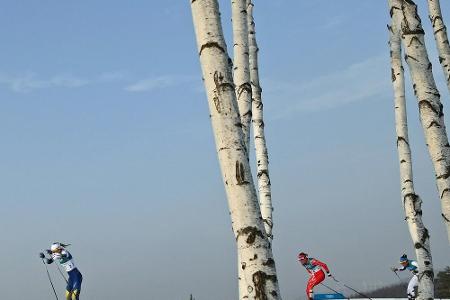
(413, 267)
(59, 253)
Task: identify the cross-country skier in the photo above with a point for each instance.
(59, 253)
(411, 265)
(315, 268)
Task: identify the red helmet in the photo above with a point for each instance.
(302, 256)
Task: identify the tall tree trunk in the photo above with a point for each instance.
(262, 158)
(412, 203)
(430, 107)
(252, 244)
(244, 95)
(241, 72)
(440, 35)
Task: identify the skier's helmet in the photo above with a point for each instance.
(404, 259)
(55, 247)
(302, 257)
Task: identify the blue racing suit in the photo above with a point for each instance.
(65, 259)
(414, 282)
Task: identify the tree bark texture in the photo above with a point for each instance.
(241, 72)
(262, 157)
(254, 251)
(241, 76)
(441, 37)
(412, 203)
(430, 107)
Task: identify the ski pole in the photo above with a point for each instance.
(62, 275)
(329, 288)
(60, 272)
(50, 279)
(394, 269)
(365, 296)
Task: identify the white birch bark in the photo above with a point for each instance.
(241, 66)
(241, 77)
(262, 158)
(441, 37)
(412, 204)
(253, 247)
(430, 107)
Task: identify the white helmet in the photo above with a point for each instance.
(55, 246)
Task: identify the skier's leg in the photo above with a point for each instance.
(78, 278)
(413, 283)
(309, 288)
(315, 279)
(69, 288)
(68, 295)
(75, 295)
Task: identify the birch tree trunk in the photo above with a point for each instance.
(241, 66)
(412, 204)
(440, 35)
(430, 107)
(254, 252)
(241, 76)
(262, 158)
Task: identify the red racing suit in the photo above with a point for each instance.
(314, 268)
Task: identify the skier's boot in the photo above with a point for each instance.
(310, 295)
(68, 295)
(75, 295)
(411, 296)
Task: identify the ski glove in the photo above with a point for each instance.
(329, 274)
(48, 261)
(41, 255)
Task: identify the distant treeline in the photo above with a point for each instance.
(441, 288)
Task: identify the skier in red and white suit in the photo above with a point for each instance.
(315, 268)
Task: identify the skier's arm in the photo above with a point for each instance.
(46, 260)
(403, 268)
(53, 257)
(317, 262)
(66, 254)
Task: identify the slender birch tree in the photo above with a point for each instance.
(262, 157)
(241, 72)
(241, 76)
(412, 203)
(253, 247)
(440, 35)
(430, 106)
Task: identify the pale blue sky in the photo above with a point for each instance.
(107, 144)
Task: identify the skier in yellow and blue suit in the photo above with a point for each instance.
(59, 253)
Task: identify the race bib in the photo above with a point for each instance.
(68, 265)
